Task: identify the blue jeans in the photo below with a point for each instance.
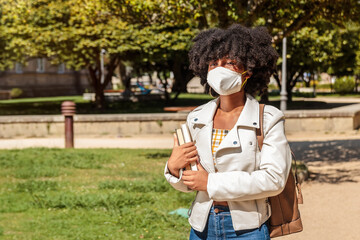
(219, 226)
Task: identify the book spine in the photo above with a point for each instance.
(187, 138)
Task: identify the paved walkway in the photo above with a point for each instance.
(331, 209)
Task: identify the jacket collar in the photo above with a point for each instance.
(249, 116)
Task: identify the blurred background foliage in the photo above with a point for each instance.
(155, 35)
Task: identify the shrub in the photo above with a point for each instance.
(344, 85)
(16, 92)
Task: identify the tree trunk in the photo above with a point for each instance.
(222, 9)
(290, 84)
(164, 83)
(99, 98)
(96, 81)
(289, 94)
(276, 76)
(182, 75)
(356, 83)
(125, 79)
(96, 85)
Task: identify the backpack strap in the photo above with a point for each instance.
(260, 139)
(260, 131)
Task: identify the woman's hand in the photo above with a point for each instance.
(196, 180)
(181, 156)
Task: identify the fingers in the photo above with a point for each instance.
(189, 144)
(189, 184)
(188, 174)
(191, 154)
(191, 150)
(187, 147)
(189, 179)
(193, 159)
(199, 166)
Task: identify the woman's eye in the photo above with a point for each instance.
(231, 63)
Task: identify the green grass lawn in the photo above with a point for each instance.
(52, 105)
(88, 194)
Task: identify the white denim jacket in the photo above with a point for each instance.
(245, 177)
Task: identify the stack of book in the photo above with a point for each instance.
(183, 136)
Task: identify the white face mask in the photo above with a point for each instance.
(225, 81)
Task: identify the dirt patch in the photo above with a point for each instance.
(331, 208)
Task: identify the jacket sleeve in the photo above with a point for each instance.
(177, 183)
(269, 179)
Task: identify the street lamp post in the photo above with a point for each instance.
(283, 93)
(102, 78)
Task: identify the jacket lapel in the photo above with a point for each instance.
(203, 120)
(249, 118)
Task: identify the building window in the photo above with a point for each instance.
(18, 68)
(40, 65)
(61, 68)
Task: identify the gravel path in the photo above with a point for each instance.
(331, 209)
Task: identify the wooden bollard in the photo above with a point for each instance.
(68, 109)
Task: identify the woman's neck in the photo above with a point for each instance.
(232, 102)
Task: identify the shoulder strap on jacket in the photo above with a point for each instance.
(260, 131)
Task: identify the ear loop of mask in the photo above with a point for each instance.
(242, 85)
(210, 90)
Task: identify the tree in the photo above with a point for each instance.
(323, 47)
(12, 46)
(166, 29)
(151, 35)
(309, 50)
(74, 32)
(281, 17)
(287, 18)
(345, 62)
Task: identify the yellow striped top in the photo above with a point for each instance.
(217, 136)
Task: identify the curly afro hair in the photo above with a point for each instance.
(250, 47)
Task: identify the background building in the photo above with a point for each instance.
(39, 78)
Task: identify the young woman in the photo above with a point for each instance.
(234, 179)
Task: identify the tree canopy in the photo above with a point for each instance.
(155, 35)
(150, 34)
(13, 46)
